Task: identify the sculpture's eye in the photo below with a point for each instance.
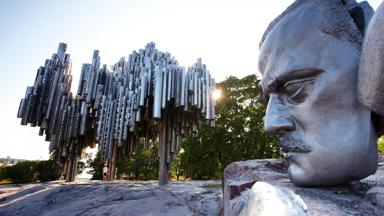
(298, 90)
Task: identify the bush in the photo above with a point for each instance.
(48, 170)
(380, 145)
(22, 172)
(3, 172)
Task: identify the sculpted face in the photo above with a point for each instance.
(310, 78)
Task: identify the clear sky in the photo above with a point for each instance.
(225, 34)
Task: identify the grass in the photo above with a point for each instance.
(212, 186)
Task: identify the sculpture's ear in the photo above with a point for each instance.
(361, 13)
(371, 68)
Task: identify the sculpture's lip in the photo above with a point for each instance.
(289, 143)
(291, 156)
(295, 149)
(292, 153)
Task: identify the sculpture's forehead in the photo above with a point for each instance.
(295, 34)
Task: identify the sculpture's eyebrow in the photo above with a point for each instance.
(274, 84)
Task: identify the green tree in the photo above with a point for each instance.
(142, 164)
(176, 166)
(241, 117)
(150, 169)
(96, 166)
(199, 158)
(80, 167)
(238, 135)
(48, 170)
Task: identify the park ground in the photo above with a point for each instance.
(131, 198)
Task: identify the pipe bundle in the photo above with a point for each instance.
(146, 97)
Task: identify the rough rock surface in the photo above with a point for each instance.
(265, 199)
(112, 198)
(358, 198)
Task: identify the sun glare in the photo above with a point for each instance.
(216, 94)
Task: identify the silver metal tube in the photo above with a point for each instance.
(109, 104)
(183, 88)
(143, 89)
(164, 88)
(158, 93)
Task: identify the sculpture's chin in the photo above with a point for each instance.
(297, 175)
(305, 176)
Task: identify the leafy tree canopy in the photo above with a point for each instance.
(238, 135)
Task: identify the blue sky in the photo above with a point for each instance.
(225, 34)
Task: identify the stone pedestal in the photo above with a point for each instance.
(365, 197)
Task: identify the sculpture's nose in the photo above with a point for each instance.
(276, 120)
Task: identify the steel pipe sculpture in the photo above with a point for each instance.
(147, 97)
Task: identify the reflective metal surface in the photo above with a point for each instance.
(116, 108)
(309, 59)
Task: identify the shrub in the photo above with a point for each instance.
(380, 145)
(3, 172)
(22, 172)
(48, 170)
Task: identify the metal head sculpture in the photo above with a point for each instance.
(309, 61)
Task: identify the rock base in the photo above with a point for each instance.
(130, 198)
(365, 197)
